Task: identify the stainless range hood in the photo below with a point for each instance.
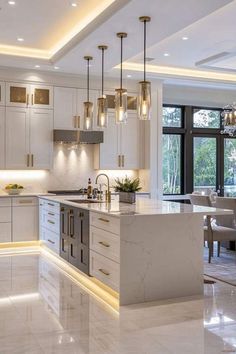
(77, 136)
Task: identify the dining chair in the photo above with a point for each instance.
(224, 226)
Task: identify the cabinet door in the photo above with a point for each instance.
(130, 143)
(41, 96)
(2, 93)
(41, 140)
(64, 239)
(2, 137)
(65, 108)
(17, 94)
(106, 154)
(24, 223)
(17, 137)
(81, 98)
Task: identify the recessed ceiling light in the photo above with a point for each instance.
(166, 54)
(56, 67)
(184, 38)
(73, 4)
(37, 66)
(11, 2)
(129, 76)
(20, 39)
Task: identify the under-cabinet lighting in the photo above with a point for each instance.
(20, 39)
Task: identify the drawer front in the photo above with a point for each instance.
(51, 240)
(24, 201)
(50, 221)
(105, 222)
(5, 232)
(105, 243)
(5, 214)
(5, 202)
(52, 207)
(105, 270)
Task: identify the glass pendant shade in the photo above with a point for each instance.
(144, 100)
(88, 116)
(121, 106)
(102, 114)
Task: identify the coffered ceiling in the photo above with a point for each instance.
(187, 38)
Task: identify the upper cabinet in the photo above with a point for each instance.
(2, 93)
(28, 138)
(23, 95)
(65, 108)
(122, 145)
(69, 108)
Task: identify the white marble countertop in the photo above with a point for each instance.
(24, 194)
(142, 206)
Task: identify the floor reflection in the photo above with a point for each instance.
(44, 311)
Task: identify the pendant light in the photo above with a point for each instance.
(88, 106)
(121, 93)
(144, 98)
(102, 115)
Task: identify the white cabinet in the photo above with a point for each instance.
(65, 108)
(26, 95)
(28, 138)
(24, 219)
(17, 137)
(122, 145)
(69, 107)
(2, 93)
(41, 140)
(2, 137)
(5, 220)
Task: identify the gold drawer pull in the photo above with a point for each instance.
(51, 242)
(25, 201)
(51, 204)
(104, 272)
(104, 244)
(51, 222)
(104, 220)
(52, 214)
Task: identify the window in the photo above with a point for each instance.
(206, 118)
(172, 117)
(171, 150)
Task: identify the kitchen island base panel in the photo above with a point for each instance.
(161, 257)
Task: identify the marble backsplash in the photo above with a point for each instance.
(71, 170)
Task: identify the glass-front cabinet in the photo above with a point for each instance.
(23, 95)
(2, 93)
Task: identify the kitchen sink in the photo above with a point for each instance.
(84, 201)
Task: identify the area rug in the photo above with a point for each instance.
(221, 268)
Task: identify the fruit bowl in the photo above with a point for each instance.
(13, 189)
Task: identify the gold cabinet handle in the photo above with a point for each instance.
(25, 201)
(52, 214)
(51, 204)
(51, 222)
(119, 161)
(123, 160)
(27, 99)
(32, 99)
(104, 244)
(32, 160)
(78, 122)
(104, 220)
(28, 160)
(74, 121)
(103, 271)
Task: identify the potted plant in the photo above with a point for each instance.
(127, 189)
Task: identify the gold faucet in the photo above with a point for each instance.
(108, 192)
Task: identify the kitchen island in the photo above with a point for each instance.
(149, 251)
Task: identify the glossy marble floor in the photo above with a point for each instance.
(44, 311)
